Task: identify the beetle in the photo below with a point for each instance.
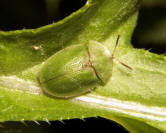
(77, 69)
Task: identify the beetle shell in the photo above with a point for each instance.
(76, 70)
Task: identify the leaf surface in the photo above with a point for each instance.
(134, 98)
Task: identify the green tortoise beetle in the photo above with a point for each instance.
(77, 70)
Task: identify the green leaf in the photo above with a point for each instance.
(134, 98)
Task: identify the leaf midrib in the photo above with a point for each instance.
(103, 103)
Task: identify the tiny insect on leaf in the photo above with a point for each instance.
(77, 69)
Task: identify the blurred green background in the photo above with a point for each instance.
(149, 34)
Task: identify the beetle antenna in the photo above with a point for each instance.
(124, 64)
(113, 53)
(117, 41)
